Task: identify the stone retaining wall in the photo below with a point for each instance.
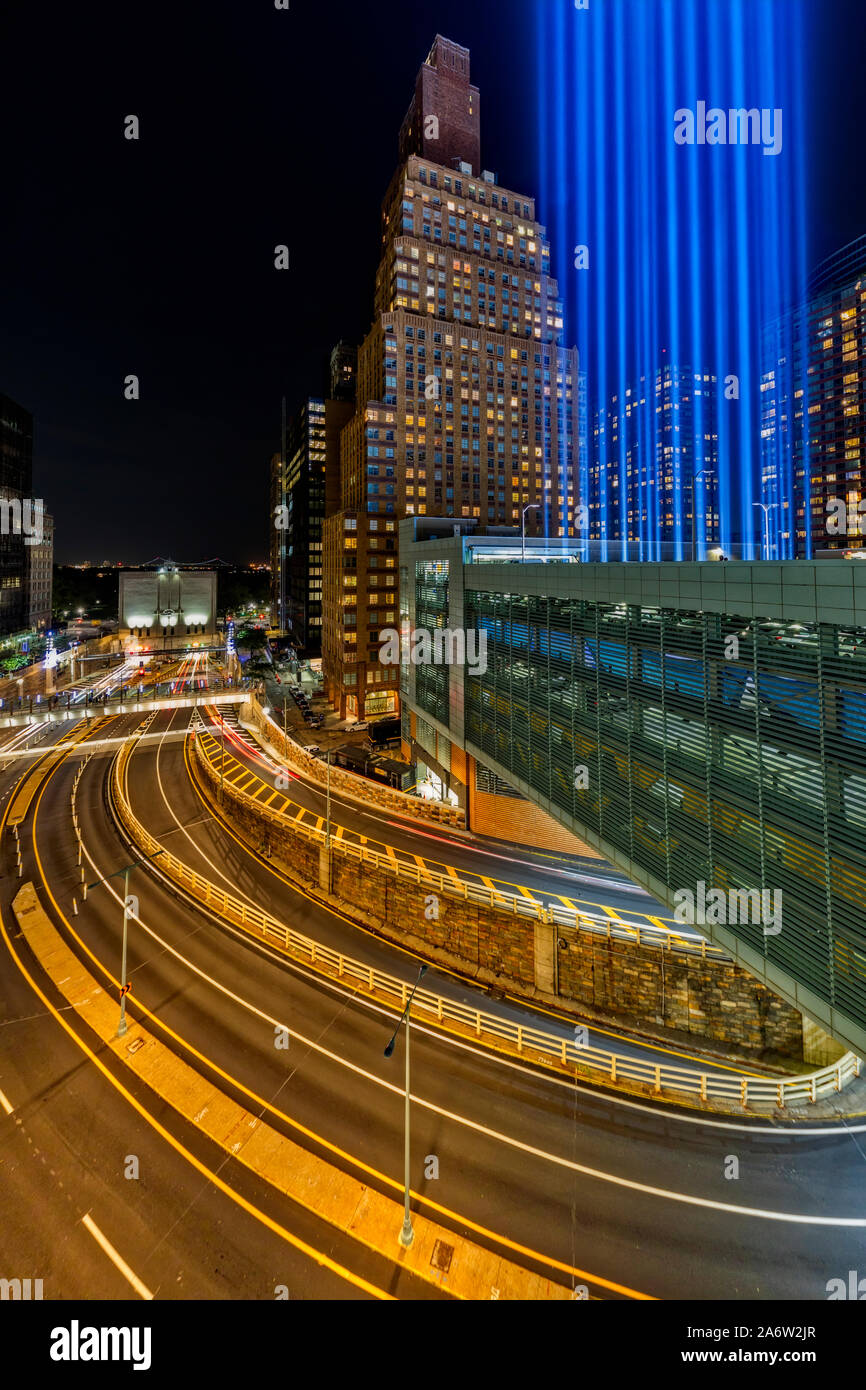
(348, 782)
(655, 992)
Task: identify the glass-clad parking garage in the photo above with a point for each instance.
(698, 724)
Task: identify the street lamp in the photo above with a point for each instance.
(222, 759)
(328, 811)
(124, 988)
(407, 1234)
(533, 507)
(704, 473)
(766, 508)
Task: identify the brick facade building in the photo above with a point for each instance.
(466, 400)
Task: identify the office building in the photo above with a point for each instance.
(654, 466)
(308, 490)
(701, 727)
(277, 542)
(40, 576)
(167, 607)
(343, 372)
(466, 398)
(813, 414)
(17, 508)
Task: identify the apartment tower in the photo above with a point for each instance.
(466, 398)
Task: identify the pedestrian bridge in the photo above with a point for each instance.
(42, 713)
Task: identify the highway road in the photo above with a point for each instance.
(587, 885)
(605, 1191)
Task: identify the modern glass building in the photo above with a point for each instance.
(655, 458)
(702, 725)
(308, 487)
(16, 485)
(813, 413)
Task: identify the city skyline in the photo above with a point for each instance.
(433, 857)
(87, 309)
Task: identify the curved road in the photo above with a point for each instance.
(618, 1192)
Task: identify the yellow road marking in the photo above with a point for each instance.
(526, 893)
(317, 1255)
(611, 912)
(286, 1235)
(488, 883)
(295, 1124)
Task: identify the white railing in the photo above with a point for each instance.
(536, 1045)
(351, 783)
(612, 929)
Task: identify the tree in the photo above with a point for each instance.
(251, 639)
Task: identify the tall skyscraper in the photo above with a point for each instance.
(16, 486)
(466, 400)
(308, 487)
(813, 413)
(654, 465)
(312, 471)
(343, 372)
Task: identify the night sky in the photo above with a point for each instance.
(156, 257)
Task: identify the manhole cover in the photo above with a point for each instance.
(442, 1256)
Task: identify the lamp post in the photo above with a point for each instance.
(222, 759)
(407, 1234)
(126, 871)
(328, 810)
(766, 508)
(533, 507)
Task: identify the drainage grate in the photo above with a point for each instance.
(442, 1256)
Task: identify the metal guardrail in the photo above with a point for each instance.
(612, 929)
(535, 1044)
(401, 802)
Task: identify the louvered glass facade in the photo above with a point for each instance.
(724, 748)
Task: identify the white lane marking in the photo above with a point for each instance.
(5, 1103)
(835, 1131)
(794, 1218)
(141, 1289)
